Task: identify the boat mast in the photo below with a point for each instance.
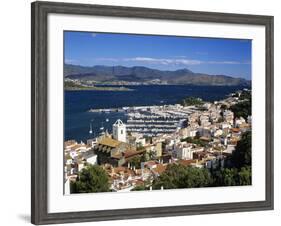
(91, 130)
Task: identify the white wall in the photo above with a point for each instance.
(15, 109)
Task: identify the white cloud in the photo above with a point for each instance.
(168, 61)
(165, 61)
(70, 61)
(226, 62)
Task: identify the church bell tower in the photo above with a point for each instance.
(119, 131)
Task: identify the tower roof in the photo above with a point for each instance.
(118, 123)
(106, 141)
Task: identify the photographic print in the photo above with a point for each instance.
(141, 112)
(155, 112)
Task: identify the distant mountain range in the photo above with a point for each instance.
(143, 75)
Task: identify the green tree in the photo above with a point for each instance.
(223, 107)
(140, 188)
(232, 177)
(91, 179)
(245, 95)
(145, 157)
(245, 176)
(179, 176)
(192, 101)
(229, 177)
(220, 120)
(242, 155)
(195, 140)
(238, 167)
(242, 109)
(136, 161)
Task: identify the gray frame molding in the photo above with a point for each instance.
(39, 145)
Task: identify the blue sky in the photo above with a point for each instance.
(206, 55)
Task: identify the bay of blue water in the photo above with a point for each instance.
(77, 119)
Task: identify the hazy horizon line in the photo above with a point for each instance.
(153, 68)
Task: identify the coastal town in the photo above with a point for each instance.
(193, 133)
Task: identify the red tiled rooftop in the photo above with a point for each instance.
(235, 130)
(186, 162)
(160, 168)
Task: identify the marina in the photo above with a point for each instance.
(152, 120)
(186, 122)
(154, 138)
(145, 105)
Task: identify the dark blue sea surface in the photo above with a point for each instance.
(77, 119)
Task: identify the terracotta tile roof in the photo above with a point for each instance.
(130, 153)
(233, 141)
(205, 138)
(235, 130)
(139, 182)
(69, 142)
(117, 156)
(186, 162)
(77, 146)
(106, 141)
(160, 168)
(119, 169)
(150, 163)
(244, 125)
(126, 171)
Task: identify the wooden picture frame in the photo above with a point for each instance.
(39, 109)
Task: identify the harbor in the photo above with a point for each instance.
(152, 120)
(154, 139)
(147, 103)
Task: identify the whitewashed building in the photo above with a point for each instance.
(217, 133)
(119, 131)
(228, 116)
(239, 121)
(91, 158)
(184, 151)
(230, 148)
(249, 119)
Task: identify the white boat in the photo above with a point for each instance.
(101, 128)
(91, 130)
